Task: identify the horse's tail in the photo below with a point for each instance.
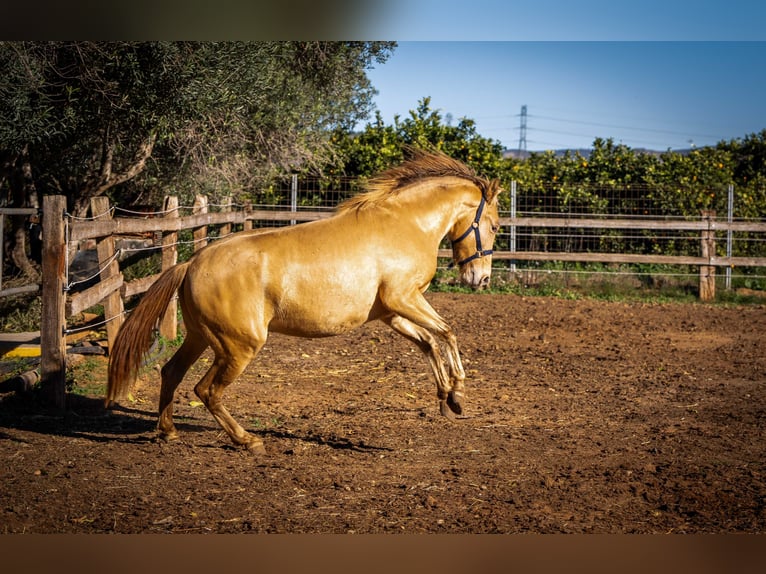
(135, 336)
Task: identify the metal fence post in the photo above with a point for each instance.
(512, 245)
(294, 196)
(729, 233)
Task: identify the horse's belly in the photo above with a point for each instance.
(313, 329)
(324, 316)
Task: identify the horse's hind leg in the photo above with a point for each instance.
(225, 370)
(172, 374)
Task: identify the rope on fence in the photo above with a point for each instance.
(119, 252)
(160, 213)
(91, 326)
(70, 284)
(92, 218)
(115, 208)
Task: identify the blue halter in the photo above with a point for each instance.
(475, 228)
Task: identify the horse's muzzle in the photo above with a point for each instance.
(475, 280)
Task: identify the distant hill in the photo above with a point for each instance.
(516, 154)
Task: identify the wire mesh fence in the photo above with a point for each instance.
(574, 202)
(628, 203)
(557, 202)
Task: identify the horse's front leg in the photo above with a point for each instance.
(456, 396)
(449, 388)
(414, 307)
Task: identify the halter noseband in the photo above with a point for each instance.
(475, 228)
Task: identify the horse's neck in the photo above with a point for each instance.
(435, 206)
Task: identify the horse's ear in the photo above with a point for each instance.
(493, 190)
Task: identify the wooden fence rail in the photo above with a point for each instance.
(112, 289)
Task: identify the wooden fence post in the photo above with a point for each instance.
(169, 321)
(53, 319)
(200, 233)
(248, 223)
(225, 229)
(707, 272)
(107, 262)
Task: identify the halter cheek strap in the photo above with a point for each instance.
(475, 228)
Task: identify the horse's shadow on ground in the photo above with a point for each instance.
(88, 418)
(82, 417)
(334, 442)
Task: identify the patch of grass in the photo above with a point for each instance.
(20, 313)
(88, 377)
(259, 424)
(738, 298)
(648, 284)
(13, 366)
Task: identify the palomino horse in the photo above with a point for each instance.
(373, 259)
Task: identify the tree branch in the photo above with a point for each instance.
(109, 178)
(143, 153)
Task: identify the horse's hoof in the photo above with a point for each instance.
(454, 402)
(256, 448)
(167, 437)
(446, 411)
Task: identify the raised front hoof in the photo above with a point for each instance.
(446, 411)
(455, 402)
(256, 448)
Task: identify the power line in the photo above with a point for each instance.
(524, 127)
(597, 124)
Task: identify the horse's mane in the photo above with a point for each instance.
(421, 164)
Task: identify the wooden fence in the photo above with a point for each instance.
(59, 232)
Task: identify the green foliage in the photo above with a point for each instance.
(143, 267)
(380, 146)
(639, 183)
(613, 178)
(574, 281)
(87, 377)
(211, 116)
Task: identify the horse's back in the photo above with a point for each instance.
(307, 280)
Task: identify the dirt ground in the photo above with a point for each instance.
(582, 416)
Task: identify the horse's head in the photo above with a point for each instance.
(472, 248)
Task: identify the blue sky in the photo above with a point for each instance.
(650, 74)
(656, 95)
(525, 20)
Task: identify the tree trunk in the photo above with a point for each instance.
(19, 249)
(24, 194)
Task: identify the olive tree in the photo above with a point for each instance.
(132, 119)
